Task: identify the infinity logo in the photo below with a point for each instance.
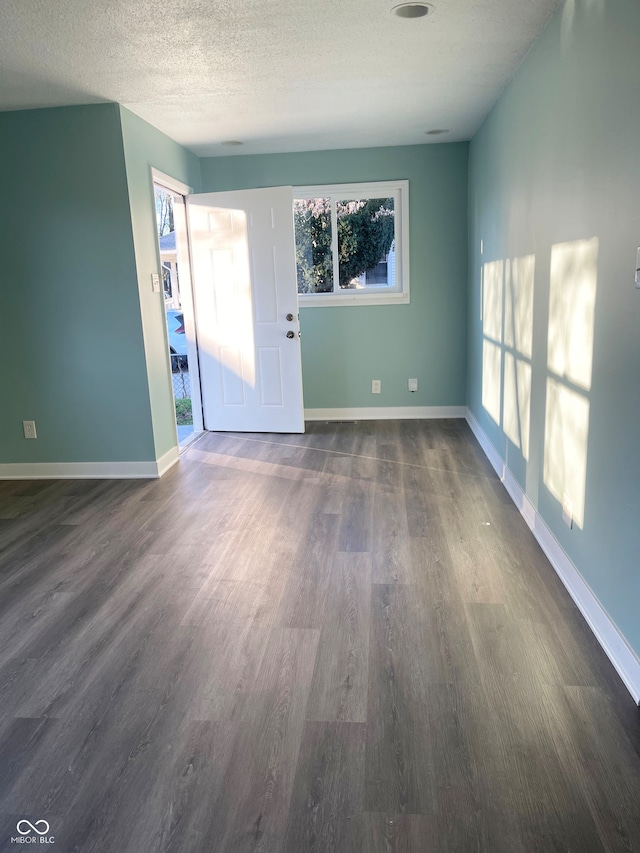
(32, 827)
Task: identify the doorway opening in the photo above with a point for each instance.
(178, 307)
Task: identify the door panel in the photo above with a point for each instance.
(270, 373)
(245, 286)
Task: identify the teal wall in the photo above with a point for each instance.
(343, 349)
(72, 343)
(144, 148)
(556, 163)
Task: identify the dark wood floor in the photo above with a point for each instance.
(344, 641)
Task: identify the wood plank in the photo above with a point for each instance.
(417, 833)
(525, 795)
(253, 810)
(399, 771)
(341, 676)
(326, 809)
(302, 604)
(390, 540)
(356, 528)
(580, 721)
(177, 815)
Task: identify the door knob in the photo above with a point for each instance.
(290, 334)
(289, 317)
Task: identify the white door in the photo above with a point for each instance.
(246, 306)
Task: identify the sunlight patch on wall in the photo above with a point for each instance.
(491, 368)
(565, 448)
(492, 300)
(518, 321)
(507, 328)
(517, 401)
(518, 346)
(572, 299)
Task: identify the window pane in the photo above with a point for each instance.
(314, 262)
(365, 243)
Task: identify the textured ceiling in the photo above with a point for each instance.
(279, 75)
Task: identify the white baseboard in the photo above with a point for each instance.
(615, 646)
(89, 470)
(385, 413)
(168, 460)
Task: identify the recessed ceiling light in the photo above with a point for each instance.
(231, 142)
(438, 132)
(412, 10)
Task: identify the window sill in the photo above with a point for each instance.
(313, 300)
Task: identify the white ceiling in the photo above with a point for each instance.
(279, 75)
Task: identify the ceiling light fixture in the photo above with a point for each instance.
(231, 142)
(438, 132)
(412, 10)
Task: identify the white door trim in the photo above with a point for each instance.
(169, 183)
(173, 185)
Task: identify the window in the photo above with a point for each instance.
(352, 243)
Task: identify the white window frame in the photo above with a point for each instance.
(398, 295)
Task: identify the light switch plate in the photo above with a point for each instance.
(155, 282)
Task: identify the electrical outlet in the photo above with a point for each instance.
(376, 385)
(412, 384)
(567, 510)
(29, 428)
